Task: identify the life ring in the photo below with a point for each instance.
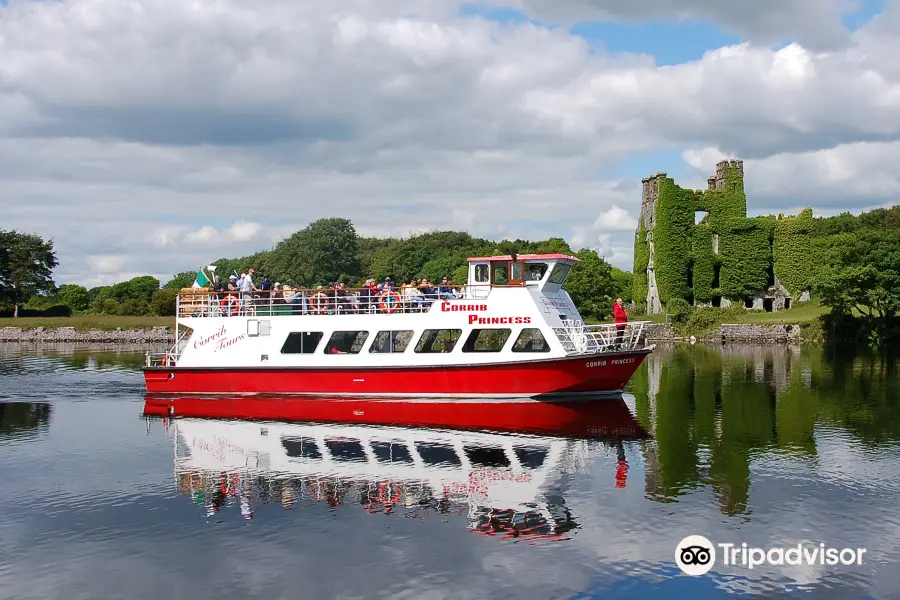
(165, 360)
(581, 343)
(229, 304)
(394, 306)
(319, 302)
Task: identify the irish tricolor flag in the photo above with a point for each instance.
(202, 280)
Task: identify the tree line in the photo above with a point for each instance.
(328, 251)
(855, 271)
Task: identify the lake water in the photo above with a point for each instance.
(768, 446)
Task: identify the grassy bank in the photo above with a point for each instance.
(89, 322)
(705, 320)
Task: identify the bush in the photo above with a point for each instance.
(679, 309)
(59, 310)
(163, 303)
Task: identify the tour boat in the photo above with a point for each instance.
(506, 484)
(510, 333)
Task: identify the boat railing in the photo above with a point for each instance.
(203, 302)
(578, 338)
(161, 359)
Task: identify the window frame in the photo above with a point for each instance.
(362, 344)
(478, 331)
(547, 347)
(390, 332)
(425, 332)
(318, 342)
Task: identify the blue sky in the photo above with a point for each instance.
(669, 43)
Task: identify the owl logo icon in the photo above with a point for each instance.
(695, 555)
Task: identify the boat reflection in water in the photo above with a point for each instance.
(505, 483)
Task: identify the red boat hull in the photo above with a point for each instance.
(595, 418)
(598, 374)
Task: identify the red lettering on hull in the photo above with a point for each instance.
(222, 344)
(454, 307)
(473, 319)
(210, 338)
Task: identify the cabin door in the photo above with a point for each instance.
(516, 273)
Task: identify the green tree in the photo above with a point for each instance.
(624, 283)
(185, 279)
(74, 296)
(26, 265)
(163, 303)
(553, 246)
(320, 253)
(861, 272)
(591, 285)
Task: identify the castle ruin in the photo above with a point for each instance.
(700, 246)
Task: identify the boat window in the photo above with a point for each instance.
(531, 340)
(486, 340)
(349, 450)
(438, 340)
(391, 452)
(346, 342)
(482, 274)
(516, 271)
(488, 458)
(500, 274)
(531, 457)
(558, 275)
(300, 447)
(536, 271)
(391, 341)
(438, 454)
(302, 342)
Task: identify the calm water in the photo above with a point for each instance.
(764, 446)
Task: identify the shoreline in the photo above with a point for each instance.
(657, 332)
(154, 335)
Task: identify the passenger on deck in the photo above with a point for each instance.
(444, 290)
(387, 286)
(219, 287)
(367, 296)
(247, 290)
(412, 296)
(621, 321)
(428, 291)
(295, 299)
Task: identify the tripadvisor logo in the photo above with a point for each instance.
(696, 555)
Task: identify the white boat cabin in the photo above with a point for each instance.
(512, 308)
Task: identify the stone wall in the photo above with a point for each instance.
(68, 334)
(765, 334)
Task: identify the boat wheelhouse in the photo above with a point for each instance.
(502, 483)
(511, 331)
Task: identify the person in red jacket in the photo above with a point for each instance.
(621, 320)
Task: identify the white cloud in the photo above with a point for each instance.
(244, 231)
(615, 219)
(817, 22)
(106, 264)
(136, 130)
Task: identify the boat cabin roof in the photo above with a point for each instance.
(508, 257)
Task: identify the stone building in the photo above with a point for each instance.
(700, 245)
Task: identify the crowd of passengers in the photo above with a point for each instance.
(242, 294)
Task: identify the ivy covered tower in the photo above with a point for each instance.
(699, 246)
